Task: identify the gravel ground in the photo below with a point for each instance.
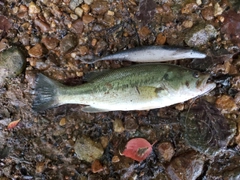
(198, 139)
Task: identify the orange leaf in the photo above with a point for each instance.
(137, 149)
(13, 124)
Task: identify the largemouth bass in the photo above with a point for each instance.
(138, 87)
(148, 54)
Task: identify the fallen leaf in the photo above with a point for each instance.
(13, 124)
(137, 149)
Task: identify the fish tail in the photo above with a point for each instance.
(46, 91)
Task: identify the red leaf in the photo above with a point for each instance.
(137, 149)
(13, 124)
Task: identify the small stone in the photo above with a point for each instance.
(104, 141)
(207, 13)
(12, 63)
(189, 8)
(130, 124)
(226, 103)
(187, 166)
(218, 10)
(237, 99)
(94, 42)
(62, 122)
(144, 32)
(74, 3)
(88, 19)
(99, 7)
(187, 24)
(115, 159)
(97, 166)
(33, 9)
(83, 50)
(77, 26)
(38, 63)
(199, 2)
(50, 42)
(36, 51)
(79, 11)
(68, 43)
(85, 8)
(199, 35)
(118, 126)
(166, 150)
(88, 2)
(74, 16)
(110, 13)
(45, 27)
(3, 44)
(161, 39)
(179, 107)
(88, 150)
(40, 166)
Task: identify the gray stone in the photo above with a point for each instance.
(75, 3)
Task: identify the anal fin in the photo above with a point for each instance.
(90, 109)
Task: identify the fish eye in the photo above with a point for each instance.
(196, 74)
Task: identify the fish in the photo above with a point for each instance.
(147, 54)
(138, 87)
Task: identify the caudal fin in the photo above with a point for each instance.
(45, 93)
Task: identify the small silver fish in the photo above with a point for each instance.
(148, 54)
(137, 87)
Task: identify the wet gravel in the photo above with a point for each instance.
(198, 139)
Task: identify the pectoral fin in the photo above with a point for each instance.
(147, 92)
(90, 109)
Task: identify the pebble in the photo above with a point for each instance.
(74, 3)
(85, 8)
(50, 42)
(36, 51)
(226, 103)
(189, 8)
(237, 99)
(33, 8)
(38, 63)
(187, 166)
(104, 141)
(12, 63)
(83, 50)
(62, 122)
(68, 43)
(77, 26)
(88, 150)
(218, 10)
(88, 2)
(161, 39)
(199, 35)
(187, 24)
(74, 16)
(166, 150)
(115, 159)
(130, 124)
(144, 32)
(97, 166)
(118, 126)
(207, 13)
(3, 44)
(79, 11)
(45, 27)
(88, 19)
(99, 7)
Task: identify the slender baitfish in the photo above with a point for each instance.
(137, 87)
(148, 54)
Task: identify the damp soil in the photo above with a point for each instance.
(197, 139)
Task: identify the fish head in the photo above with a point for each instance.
(200, 84)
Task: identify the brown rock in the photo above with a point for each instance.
(87, 19)
(77, 26)
(189, 8)
(161, 39)
(68, 43)
(45, 27)
(83, 50)
(166, 150)
(99, 7)
(97, 166)
(50, 42)
(187, 24)
(207, 13)
(144, 32)
(226, 102)
(118, 126)
(36, 51)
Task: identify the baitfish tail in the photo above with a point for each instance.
(46, 91)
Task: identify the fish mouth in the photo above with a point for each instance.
(204, 85)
